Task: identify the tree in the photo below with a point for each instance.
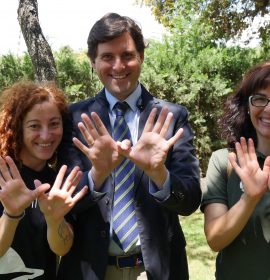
(38, 48)
(227, 18)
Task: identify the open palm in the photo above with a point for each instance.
(14, 194)
(59, 201)
(254, 179)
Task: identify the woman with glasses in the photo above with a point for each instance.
(236, 199)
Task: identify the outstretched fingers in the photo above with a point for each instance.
(166, 124)
(5, 174)
(72, 180)
(150, 121)
(13, 168)
(176, 137)
(59, 178)
(80, 194)
(266, 166)
(40, 189)
(86, 134)
(102, 130)
(161, 121)
(89, 126)
(84, 149)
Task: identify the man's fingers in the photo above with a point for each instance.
(80, 146)
(150, 121)
(166, 125)
(176, 137)
(124, 147)
(90, 126)
(102, 130)
(85, 133)
(160, 121)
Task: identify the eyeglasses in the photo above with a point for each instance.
(258, 100)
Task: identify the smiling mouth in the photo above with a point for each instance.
(45, 145)
(119, 77)
(266, 121)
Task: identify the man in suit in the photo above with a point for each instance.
(166, 175)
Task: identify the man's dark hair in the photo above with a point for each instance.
(110, 27)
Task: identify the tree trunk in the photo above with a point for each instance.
(38, 48)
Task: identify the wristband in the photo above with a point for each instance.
(18, 217)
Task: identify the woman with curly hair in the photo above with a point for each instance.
(237, 199)
(32, 225)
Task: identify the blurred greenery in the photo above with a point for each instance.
(201, 259)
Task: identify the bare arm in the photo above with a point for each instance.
(223, 225)
(7, 231)
(56, 204)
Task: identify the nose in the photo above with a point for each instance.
(118, 64)
(45, 133)
(267, 107)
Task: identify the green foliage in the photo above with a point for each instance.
(14, 68)
(74, 74)
(227, 19)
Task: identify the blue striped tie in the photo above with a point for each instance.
(124, 217)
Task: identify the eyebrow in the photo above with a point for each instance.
(52, 119)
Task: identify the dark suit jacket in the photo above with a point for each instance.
(162, 239)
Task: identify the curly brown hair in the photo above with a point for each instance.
(15, 102)
(236, 122)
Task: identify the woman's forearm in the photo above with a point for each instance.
(8, 228)
(60, 237)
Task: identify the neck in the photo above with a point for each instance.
(264, 147)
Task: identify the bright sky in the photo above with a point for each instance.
(68, 22)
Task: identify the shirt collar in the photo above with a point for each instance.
(132, 99)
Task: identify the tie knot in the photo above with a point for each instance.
(120, 108)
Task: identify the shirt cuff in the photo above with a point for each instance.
(163, 193)
(92, 185)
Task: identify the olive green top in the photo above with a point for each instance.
(248, 256)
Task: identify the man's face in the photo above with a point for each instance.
(118, 65)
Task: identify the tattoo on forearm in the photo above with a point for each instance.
(65, 232)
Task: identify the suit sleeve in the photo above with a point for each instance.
(183, 166)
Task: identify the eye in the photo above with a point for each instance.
(128, 56)
(259, 100)
(34, 126)
(55, 124)
(106, 57)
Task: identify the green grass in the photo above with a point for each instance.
(201, 258)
